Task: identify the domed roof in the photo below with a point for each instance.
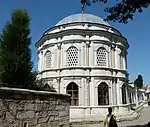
(89, 18)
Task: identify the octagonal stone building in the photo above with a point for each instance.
(87, 58)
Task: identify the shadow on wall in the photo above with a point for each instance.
(146, 125)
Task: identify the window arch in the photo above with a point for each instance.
(72, 56)
(73, 90)
(103, 94)
(101, 56)
(124, 101)
(48, 59)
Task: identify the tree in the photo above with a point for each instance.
(15, 54)
(138, 83)
(123, 10)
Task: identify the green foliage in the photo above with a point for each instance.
(138, 83)
(15, 54)
(123, 10)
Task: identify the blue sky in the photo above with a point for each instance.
(46, 13)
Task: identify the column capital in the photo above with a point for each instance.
(58, 79)
(59, 45)
(88, 79)
(113, 47)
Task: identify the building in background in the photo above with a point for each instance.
(87, 58)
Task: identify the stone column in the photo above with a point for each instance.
(120, 89)
(59, 56)
(116, 57)
(118, 93)
(127, 95)
(58, 85)
(136, 97)
(42, 61)
(39, 61)
(80, 95)
(92, 94)
(63, 56)
(61, 87)
(110, 95)
(82, 54)
(88, 91)
(55, 60)
(87, 53)
(114, 91)
(126, 61)
(113, 56)
(91, 55)
(83, 88)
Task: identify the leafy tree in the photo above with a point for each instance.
(15, 54)
(123, 10)
(138, 83)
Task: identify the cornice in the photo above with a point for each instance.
(85, 68)
(85, 76)
(81, 23)
(83, 33)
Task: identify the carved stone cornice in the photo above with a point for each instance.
(81, 32)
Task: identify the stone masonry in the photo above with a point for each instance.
(28, 108)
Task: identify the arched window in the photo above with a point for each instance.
(101, 57)
(72, 56)
(48, 59)
(124, 101)
(72, 89)
(103, 94)
(121, 57)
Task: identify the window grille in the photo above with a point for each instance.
(48, 59)
(101, 57)
(72, 56)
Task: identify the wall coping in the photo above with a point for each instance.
(7, 90)
(107, 106)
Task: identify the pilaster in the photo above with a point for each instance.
(127, 94)
(113, 56)
(42, 61)
(118, 92)
(82, 54)
(88, 91)
(63, 56)
(114, 91)
(59, 55)
(87, 53)
(92, 94)
(116, 58)
(91, 55)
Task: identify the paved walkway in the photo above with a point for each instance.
(144, 119)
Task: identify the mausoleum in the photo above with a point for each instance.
(84, 56)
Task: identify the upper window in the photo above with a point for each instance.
(48, 59)
(101, 57)
(72, 56)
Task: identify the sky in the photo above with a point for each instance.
(45, 14)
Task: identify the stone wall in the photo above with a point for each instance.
(27, 108)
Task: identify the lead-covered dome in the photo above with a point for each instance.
(89, 18)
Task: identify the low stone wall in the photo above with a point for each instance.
(27, 108)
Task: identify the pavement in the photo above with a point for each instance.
(143, 120)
